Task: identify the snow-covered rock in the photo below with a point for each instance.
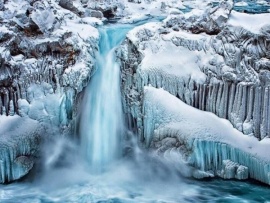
(20, 139)
(223, 69)
(63, 56)
(47, 58)
(201, 139)
(227, 73)
(211, 20)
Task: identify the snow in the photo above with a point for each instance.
(92, 21)
(77, 75)
(134, 18)
(251, 22)
(165, 123)
(191, 122)
(262, 2)
(159, 57)
(14, 124)
(53, 60)
(182, 72)
(82, 30)
(44, 19)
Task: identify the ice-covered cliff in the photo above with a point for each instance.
(215, 60)
(47, 58)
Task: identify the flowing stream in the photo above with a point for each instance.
(102, 174)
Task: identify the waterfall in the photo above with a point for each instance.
(102, 122)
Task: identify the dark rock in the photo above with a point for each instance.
(68, 4)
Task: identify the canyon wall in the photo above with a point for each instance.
(215, 60)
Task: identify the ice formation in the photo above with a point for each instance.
(47, 58)
(201, 139)
(19, 146)
(213, 60)
(226, 73)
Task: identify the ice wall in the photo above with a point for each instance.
(220, 67)
(226, 73)
(201, 140)
(19, 146)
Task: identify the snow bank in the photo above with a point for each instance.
(250, 22)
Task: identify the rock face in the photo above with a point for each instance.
(47, 58)
(217, 63)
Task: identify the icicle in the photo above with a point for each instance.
(209, 99)
(243, 107)
(4, 112)
(225, 100)
(257, 112)
(216, 97)
(204, 96)
(1, 105)
(265, 113)
(11, 108)
(239, 101)
(215, 156)
(201, 96)
(231, 101)
(250, 103)
(218, 100)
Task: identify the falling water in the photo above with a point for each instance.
(101, 123)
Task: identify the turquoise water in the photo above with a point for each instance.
(141, 181)
(252, 6)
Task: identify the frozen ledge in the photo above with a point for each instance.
(201, 139)
(19, 146)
